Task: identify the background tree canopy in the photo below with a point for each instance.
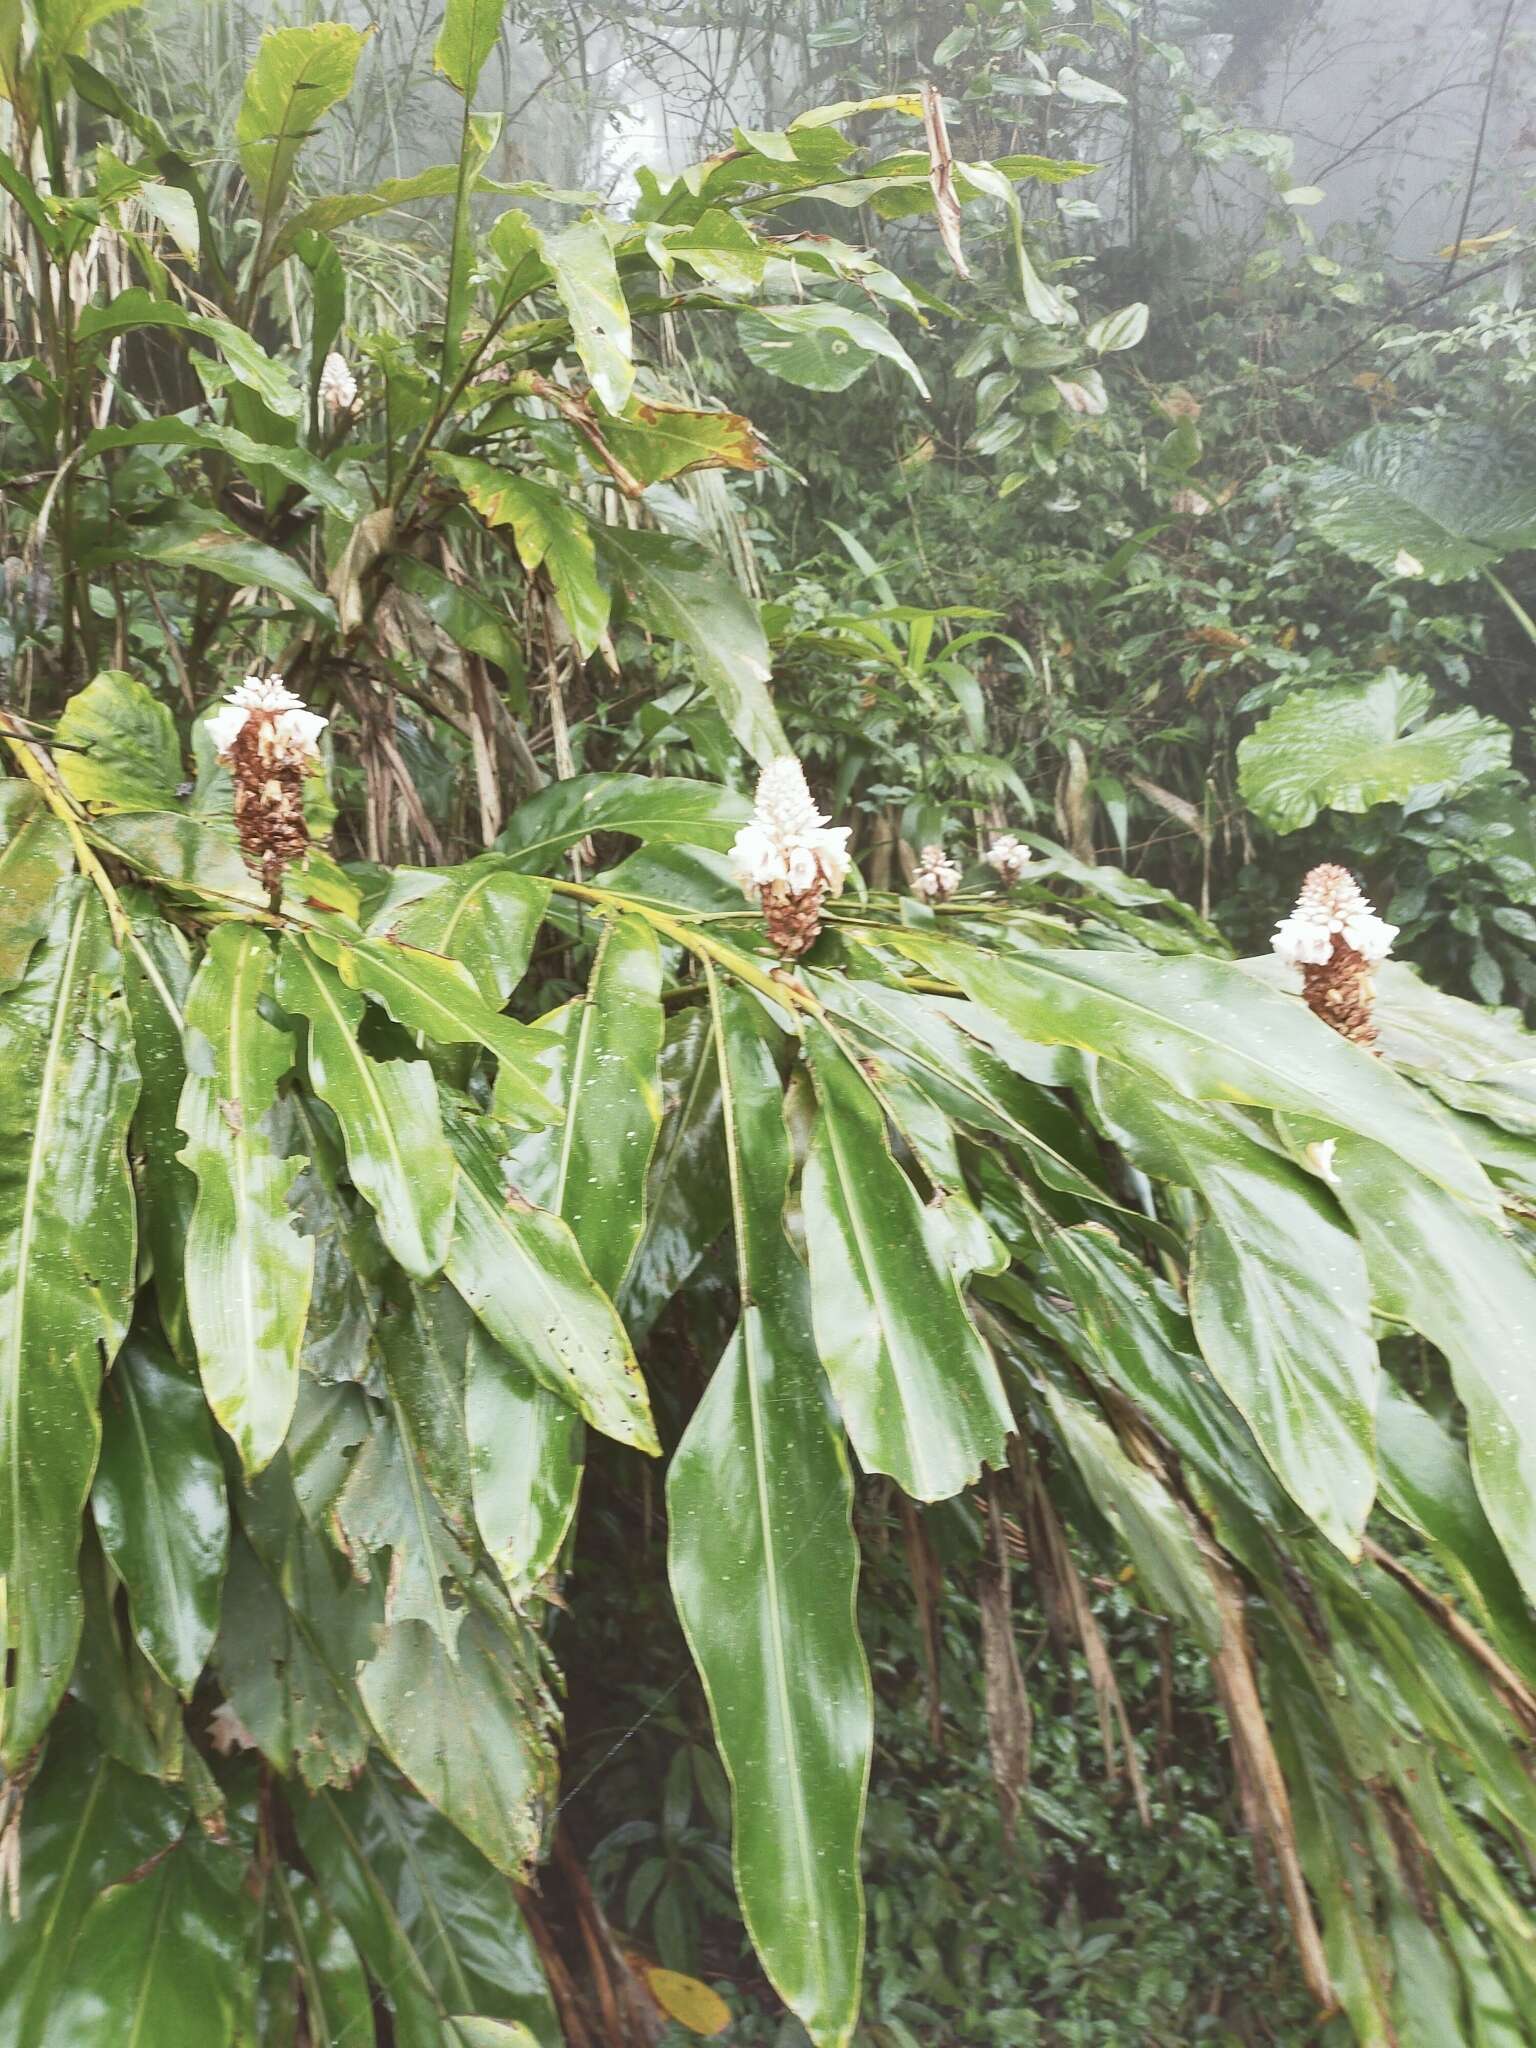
(695, 1340)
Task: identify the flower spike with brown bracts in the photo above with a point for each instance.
(1335, 937)
(789, 857)
(269, 742)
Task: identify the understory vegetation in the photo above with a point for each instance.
(698, 1336)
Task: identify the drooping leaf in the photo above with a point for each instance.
(587, 280)
(764, 1567)
(295, 1626)
(549, 531)
(438, 1928)
(611, 1084)
(1208, 1031)
(522, 1273)
(337, 1999)
(296, 465)
(1440, 500)
(116, 746)
(688, 1167)
(298, 76)
(819, 345)
(206, 541)
(1364, 744)
(422, 1350)
(917, 1388)
(160, 1507)
(525, 1450)
(679, 590)
(66, 1280)
(657, 442)
(248, 1271)
(248, 361)
(1457, 1279)
(469, 1728)
(394, 1527)
(35, 856)
(1279, 1298)
(397, 1155)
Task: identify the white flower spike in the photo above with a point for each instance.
(789, 857)
(338, 386)
(937, 876)
(295, 730)
(1332, 907)
(1008, 857)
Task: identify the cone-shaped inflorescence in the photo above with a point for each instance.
(1335, 938)
(337, 389)
(269, 742)
(789, 857)
(936, 876)
(1008, 858)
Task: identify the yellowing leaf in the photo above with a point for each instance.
(691, 2003)
(1473, 245)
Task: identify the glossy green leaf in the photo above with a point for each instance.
(678, 589)
(1279, 1298)
(1205, 1029)
(525, 1450)
(587, 280)
(688, 1167)
(438, 1928)
(397, 1156)
(477, 624)
(159, 1956)
(436, 996)
(87, 1822)
(422, 1346)
(203, 541)
(468, 1728)
(917, 1388)
(659, 810)
(1440, 499)
(522, 1273)
(248, 363)
(298, 76)
(248, 1271)
(484, 914)
(764, 1569)
(1464, 1285)
(160, 1508)
(394, 1529)
(611, 1085)
(549, 531)
(66, 1280)
(116, 746)
(1363, 744)
(35, 856)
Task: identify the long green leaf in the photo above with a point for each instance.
(682, 1201)
(525, 1449)
(660, 810)
(160, 1507)
(610, 1128)
(764, 1569)
(918, 1390)
(66, 1280)
(468, 35)
(680, 590)
(587, 280)
(1464, 1285)
(1279, 1297)
(1206, 1029)
(248, 1271)
(522, 1273)
(397, 1156)
(485, 915)
(35, 857)
(549, 531)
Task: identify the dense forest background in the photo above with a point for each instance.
(1140, 590)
